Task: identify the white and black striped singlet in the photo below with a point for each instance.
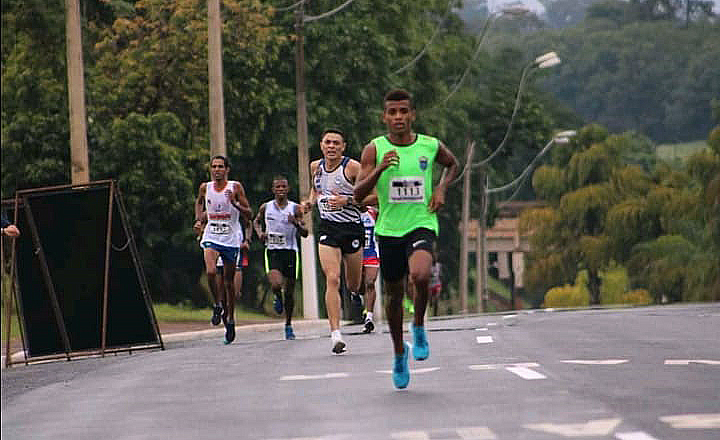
(329, 183)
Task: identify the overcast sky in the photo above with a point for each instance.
(536, 6)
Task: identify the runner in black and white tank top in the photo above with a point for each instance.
(333, 183)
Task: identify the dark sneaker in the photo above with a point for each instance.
(229, 332)
(277, 304)
(217, 314)
(338, 346)
(289, 334)
(369, 326)
(401, 372)
(421, 348)
(356, 301)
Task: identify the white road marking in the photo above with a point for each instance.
(523, 369)
(589, 429)
(464, 433)
(693, 421)
(481, 329)
(498, 366)
(491, 324)
(690, 361)
(484, 339)
(636, 435)
(324, 437)
(410, 435)
(475, 433)
(596, 362)
(526, 373)
(416, 371)
(315, 376)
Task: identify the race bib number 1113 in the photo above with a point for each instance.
(408, 189)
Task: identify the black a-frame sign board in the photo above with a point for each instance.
(79, 287)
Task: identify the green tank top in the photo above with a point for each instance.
(404, 190)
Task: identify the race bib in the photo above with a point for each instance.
(276, 239)
(408, 189)
(220, 228)
(325, 206)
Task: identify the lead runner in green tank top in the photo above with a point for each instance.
(399, 167)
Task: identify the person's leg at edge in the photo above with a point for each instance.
(289, 306)
(211, 256)
(330, 264)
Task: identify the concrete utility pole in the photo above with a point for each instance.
(480, 244)
(79, 169)
(307, 244)
(216, 104)
(465, 243)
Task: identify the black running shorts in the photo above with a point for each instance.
(395, 252)
(284, 260)
(349, 237)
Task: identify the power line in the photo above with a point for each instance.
(293, 6)
(309, 18)
(430, 41)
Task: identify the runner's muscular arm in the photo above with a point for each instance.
(312, 196)
(370, 170)
(240, 201)
(297, 219)
(200, 215)
(259, 223)
(446, 158)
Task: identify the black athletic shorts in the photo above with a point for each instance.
(284, 260)
(395, 252)
(349, 237)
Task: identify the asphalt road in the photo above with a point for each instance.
(628, 374)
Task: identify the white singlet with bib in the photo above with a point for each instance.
(223, 226)
(281, 234)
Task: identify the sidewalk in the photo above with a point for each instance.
(172, 336)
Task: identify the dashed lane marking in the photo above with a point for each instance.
(691, 361)
(415, 371)
(523, 370)
(484, 339)
(464, 433)
(693, 421)
(596, 362)
(526, 373)
(315, 376)
(592, 428)
(635, 435)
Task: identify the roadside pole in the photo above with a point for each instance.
(307, 244)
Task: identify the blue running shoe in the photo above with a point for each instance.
(289, 334)
(277, 304)
(401, 372)
(217, 314)
(421, 348)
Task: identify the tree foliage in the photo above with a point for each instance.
(654, 221)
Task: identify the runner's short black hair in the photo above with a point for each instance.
(399, 95)
(224, 159)
(333, 130)
(279, 177)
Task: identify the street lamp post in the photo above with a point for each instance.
(544, 61)
(562, 137)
